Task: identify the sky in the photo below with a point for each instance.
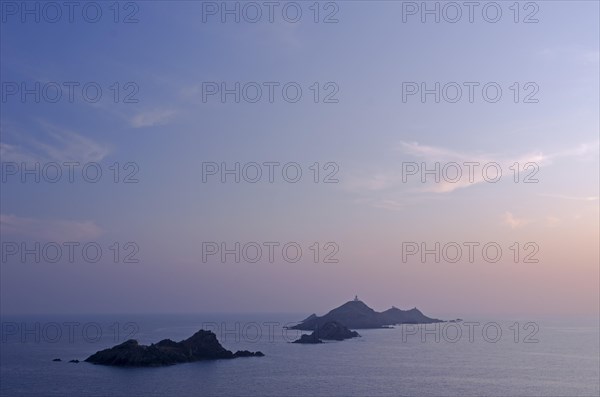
(145, 93)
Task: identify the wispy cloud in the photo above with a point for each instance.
(513, 221)
(56, 230)
(392, 182)
(431, 155)
(57, 144)
(151, 118)
(16, 153)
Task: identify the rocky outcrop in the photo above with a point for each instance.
(308, 339)
(246, 353)
(357, 315)
(203, 345)
(329, 331)
(335, 331)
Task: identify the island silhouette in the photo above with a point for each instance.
(331, 330)
(203, 345)
(355, 314)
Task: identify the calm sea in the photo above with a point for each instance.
(474, 358)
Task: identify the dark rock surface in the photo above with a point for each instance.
(74, 361)
(203, 345)
(246, 353)
(334, 331)
(331, 330)
(57, 359)
(357, 315)
(308, 339)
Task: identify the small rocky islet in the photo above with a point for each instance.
(331, 330)
(203, 345)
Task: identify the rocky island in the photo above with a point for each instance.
(356, 314)
(331, 330)
(203, 345)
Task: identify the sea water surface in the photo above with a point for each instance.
(473, 358)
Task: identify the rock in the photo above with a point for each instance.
(74, 361)
(395, 316)
(203, 345)
(308, 339)
(246, 353)
(357, 315)
(331, 330)
(57, 359)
